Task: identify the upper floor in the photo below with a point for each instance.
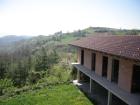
(121, 71)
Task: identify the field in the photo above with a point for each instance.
(52, 95)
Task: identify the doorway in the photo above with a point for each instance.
(115, 70)
(104, 66)
(82, 57)
(93, 61)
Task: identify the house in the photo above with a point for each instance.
(111, 65)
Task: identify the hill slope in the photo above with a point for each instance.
(11, 38)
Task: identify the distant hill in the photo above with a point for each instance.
(11, 38)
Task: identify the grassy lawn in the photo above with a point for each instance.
(54, 95)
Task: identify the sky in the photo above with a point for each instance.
(45, 17)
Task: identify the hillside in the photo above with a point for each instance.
(11, 39)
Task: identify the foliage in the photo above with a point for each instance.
(2, 70)
(19, 74)
(74, 73)
(4, 83)
(56, 75)
(34, 77)
(45, 60)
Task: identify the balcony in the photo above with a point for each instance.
(131, 99)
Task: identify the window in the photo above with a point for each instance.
(136, 79)
(104, 66)
(93, 61)
(115, 70)
(82, 57)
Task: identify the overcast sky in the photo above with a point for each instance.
(43, 17)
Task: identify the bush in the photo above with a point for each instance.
(56, 75)
(34, 77)
(60, 73)
(5, 83)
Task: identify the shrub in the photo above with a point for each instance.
(34, 77)
(5, 83)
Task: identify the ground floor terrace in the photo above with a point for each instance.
(102, 90)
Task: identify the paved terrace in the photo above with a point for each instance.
(131, 99)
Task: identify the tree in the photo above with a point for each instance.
(2, 70)
(53, 58)
(42, 61)
(45, 60)
(19, 74)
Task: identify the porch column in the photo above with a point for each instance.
(78, 76)
(109, 102)
(91, 85)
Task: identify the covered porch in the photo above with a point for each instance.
(102, 90)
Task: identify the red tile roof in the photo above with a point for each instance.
(125, 46)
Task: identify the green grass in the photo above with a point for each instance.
(68, 38)
(54, 95)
